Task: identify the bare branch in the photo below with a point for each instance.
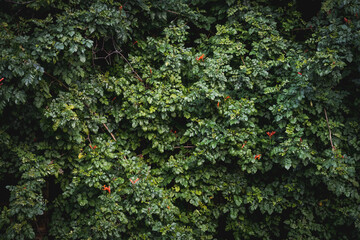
(327, 121)
(109, 131)
(184, 147)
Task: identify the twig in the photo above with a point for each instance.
(242, 60)
(301, 29)
(61, 84)
(184, 146)
(109, 131)
(172, 12)
(327, 121)
(20, 2)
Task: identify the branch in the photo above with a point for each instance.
(184, 147)
(61, 84)
(20, 2)
(242, 60)
(327, 121)
(172, 12)
(109, 131)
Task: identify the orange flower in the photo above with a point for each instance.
(92, 147)
(257, 156)
(201, 57)
(133, 182)
(244, 144)
(227, 97)
(218, 104)
(270, 133)
(105, 188)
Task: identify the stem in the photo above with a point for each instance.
(109, 131)
(327, 121)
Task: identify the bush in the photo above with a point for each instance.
(179, 119)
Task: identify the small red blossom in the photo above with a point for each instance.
(301, 140)
(346, 20)
(227, 97)
(92, 147)
(105, 188)
(201, 57)
(258, 156)
(121, 7)
(150, 70)
(270, 133)
(113, 99)
(133, 182)
(244, 144)
(168, 207)
(1, 79)
(135, 42)
(218, 104)
(299, 73)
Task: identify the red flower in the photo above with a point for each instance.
(299, 73)
(300, 140)
(133, 182)
(105, 188)
(135, 43)
(218, 104)
(270, 133)
(1, 79)
(227, 97)
(201, 57)
(92, 147)
(346, 20)
(113, 99)
(121, 7)
(257, 156)
(150, 70)
(244, 144)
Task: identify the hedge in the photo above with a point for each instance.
(179, 119)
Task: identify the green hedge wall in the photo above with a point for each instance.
(179, 119)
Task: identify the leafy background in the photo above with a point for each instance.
(115, 93)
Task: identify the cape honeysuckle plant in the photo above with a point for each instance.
(179, 120)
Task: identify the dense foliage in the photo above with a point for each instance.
(179, 119)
